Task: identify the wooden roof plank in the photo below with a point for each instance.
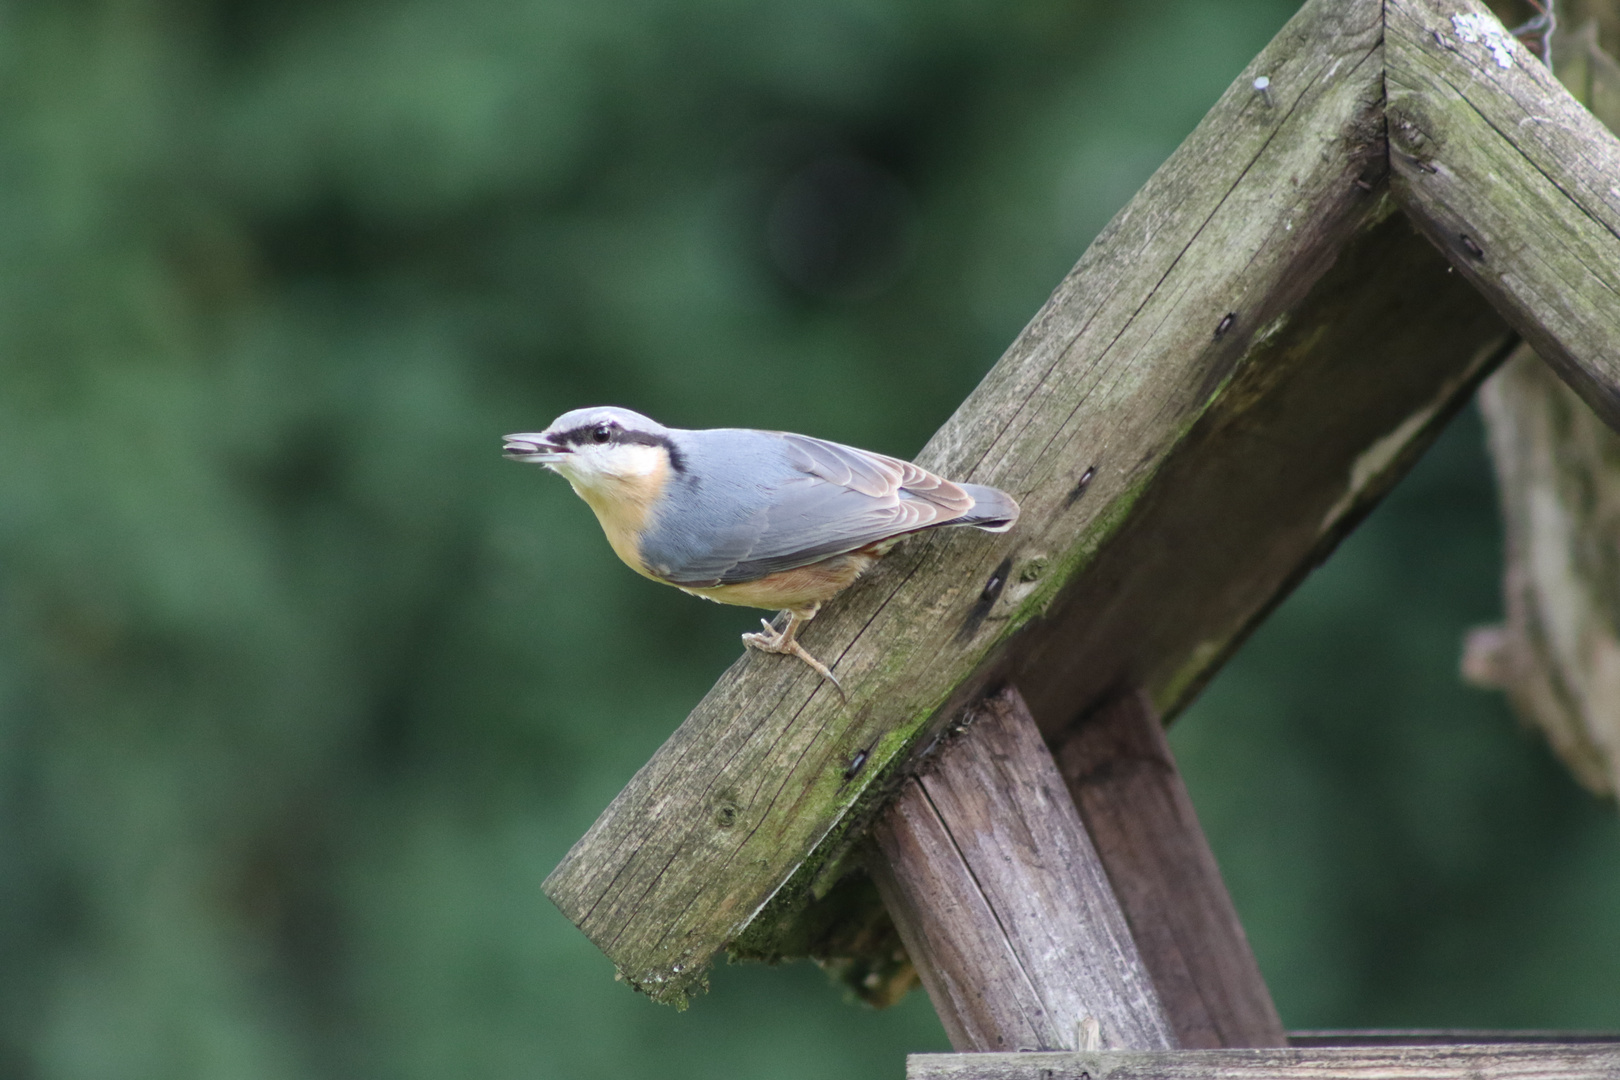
(1514, 180)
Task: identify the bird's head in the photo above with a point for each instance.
(600, 449)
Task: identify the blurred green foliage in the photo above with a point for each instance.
(303, 690)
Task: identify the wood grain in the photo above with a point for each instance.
(1514, 180)
(1204, 407)
(1123, 777)
(1318, 423)
(1493, 1062)
(1001, 899)
(1444, 1036)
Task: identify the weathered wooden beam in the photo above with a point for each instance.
(1514, 180)
(1444, 1036)
(1002, 901)
(1123, 778)
(1574, 1061)
(1204, 407)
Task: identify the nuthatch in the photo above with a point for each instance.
(761, 519)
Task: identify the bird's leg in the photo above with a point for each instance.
(784, 641)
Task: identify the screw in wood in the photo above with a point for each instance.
(998, 579)
(1080, 487)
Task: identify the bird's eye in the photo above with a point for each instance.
(602, 434)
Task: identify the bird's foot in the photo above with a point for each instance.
(784, 643)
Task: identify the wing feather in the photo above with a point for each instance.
(835, 499)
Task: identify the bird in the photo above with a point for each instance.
(764, 519)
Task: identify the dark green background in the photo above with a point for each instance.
(303, 690)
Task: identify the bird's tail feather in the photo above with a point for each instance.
(993, 509)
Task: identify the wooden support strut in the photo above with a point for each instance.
(1119, 768)
(1022, 915)
(1002, 900)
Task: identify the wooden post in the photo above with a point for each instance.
(1123, 777)
(1003, 903)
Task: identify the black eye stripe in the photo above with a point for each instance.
(583, 434)
(579, 435)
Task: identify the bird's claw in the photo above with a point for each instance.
(782, 643)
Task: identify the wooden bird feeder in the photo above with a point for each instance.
(1248, 357)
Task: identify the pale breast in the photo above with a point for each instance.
(623, 505)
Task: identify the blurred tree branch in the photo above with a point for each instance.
(1557, 656)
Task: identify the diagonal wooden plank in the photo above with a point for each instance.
(1514, 180)
(1180, 354)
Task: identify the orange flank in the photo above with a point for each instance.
(801, 589)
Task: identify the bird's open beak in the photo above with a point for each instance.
(534, 448)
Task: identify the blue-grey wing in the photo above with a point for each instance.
(826, 499)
